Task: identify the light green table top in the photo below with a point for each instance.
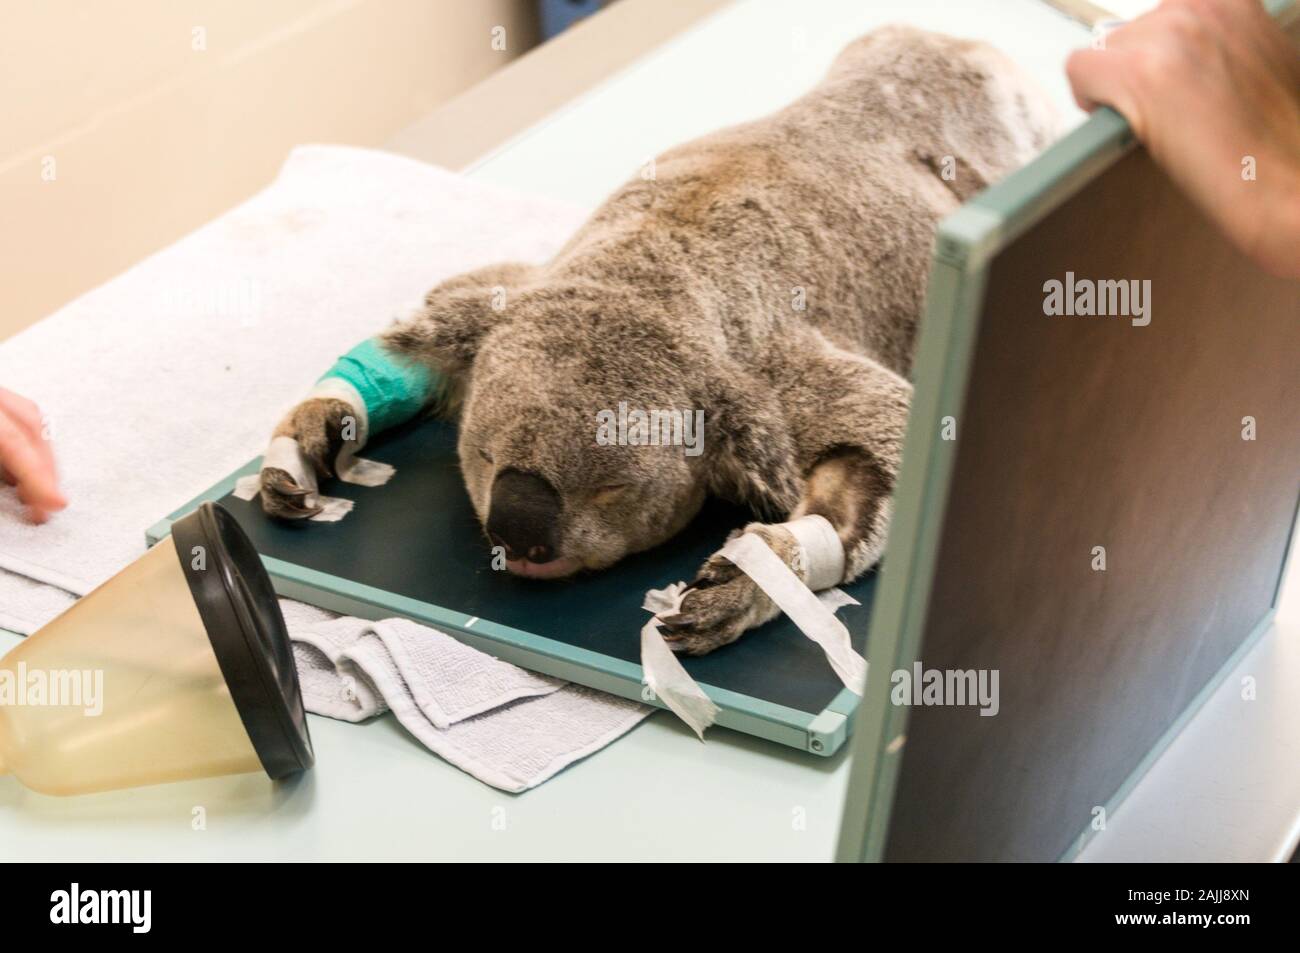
(377, 794)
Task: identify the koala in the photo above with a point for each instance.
(770, 275)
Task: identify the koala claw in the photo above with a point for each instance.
(317, 426)
(283, 497)
(716, 609)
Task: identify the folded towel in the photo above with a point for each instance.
(26, 605)
(506, 726)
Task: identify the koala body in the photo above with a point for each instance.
(770, 275)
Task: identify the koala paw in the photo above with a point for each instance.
(283, 498)
(722, 603)
(317, 426)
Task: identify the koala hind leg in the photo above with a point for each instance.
(852, 489)
(849, 489)
(852, 443)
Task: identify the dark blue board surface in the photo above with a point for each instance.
(418, 537)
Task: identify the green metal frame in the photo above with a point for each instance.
(966, 241)
(822, 734)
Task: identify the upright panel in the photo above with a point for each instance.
(1119, 510)
(1074, 432)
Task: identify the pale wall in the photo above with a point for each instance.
(118, 135)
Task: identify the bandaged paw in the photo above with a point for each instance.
(742, 585)
(379, 391)
(820, 559)
(348, 467)
(284, 455)
(663, 672)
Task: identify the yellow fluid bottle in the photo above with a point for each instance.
(178, 667)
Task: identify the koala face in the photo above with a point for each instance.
(584, 430)
(552, 478)
(593, 424)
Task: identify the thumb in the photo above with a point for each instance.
(1097, 79)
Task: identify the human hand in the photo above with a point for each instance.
(26, 457)
(1212, 88)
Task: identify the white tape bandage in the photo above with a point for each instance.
(756, 560)
(823, 553)
(663, 670)
(813, 613)
(285, 454)
(347, 465)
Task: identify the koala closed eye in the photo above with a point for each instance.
(485, 455)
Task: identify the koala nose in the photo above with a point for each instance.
(522, 515)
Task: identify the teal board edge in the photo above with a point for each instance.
(821, 734)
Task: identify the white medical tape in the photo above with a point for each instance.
(823, 553)
(362, 472)
(332, 509)
(755, 558)
(247, 487)
(673, 685)
(285, 454)
(336, 388)
(663, 671)
(348, 467)
(836, 599)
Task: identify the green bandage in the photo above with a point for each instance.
(393, 389)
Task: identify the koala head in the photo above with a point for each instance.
(588, 429)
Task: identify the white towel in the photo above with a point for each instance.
(171, 375)
(168, 377)
(506, 726)
(26, 605)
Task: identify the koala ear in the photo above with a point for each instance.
(748, 444)
(456, 316)
(445, 334)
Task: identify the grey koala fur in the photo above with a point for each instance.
(771, 274)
